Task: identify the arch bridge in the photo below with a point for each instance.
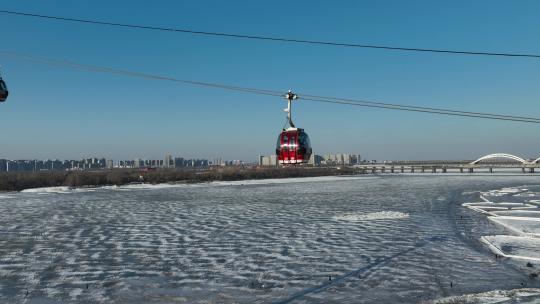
(505, 156)
(526, 165)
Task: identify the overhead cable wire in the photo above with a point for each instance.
(101, 69)
(307, 97)
(364, 102)
(441, 112)
(270, 38)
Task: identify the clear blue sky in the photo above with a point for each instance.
(56, 112)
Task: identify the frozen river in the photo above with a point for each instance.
(388, 239)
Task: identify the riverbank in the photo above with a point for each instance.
(17, 181)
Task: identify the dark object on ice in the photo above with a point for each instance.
(529, 264)
(451, 284)
(533, 275)
(329, 278)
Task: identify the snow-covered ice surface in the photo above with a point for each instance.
(522, 295)
(381, 215)
(389, 239)
(517, 247)
(516, 211)
(526, 226)
(520, 213)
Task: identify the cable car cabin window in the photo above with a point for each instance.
(301, 143)
(303, 140)
(2, 86)
(285, 145)
(306, 141)
(279, 144)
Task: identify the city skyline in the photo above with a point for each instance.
(56, 112)
(168, 161)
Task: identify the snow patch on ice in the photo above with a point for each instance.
(494, 296)
(144, 186)
(53, 190)
(74, 293)
(526, 226)
(518, 213)
(381, 215)
(291, 180)
(490, 207)
(504, 191)
(517, 247)
(48, 190)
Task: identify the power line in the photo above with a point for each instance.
(271, 38)
(307, 97)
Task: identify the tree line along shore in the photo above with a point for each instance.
(17, 181)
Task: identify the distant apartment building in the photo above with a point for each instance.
(126, 164)
(179, 162)
(218, 161)
(168, 162)
(197, 163)
(315, 160)
(25, 165)
(237, 162)
(102, 163)
(268, 161)
(341, 159)
(138, 163)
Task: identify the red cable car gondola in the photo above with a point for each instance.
(3, 90)
(293, 146)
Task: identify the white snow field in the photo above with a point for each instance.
(386, 239)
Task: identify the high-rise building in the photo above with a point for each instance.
(218, 161)
(168, 163)
(315, 160)
(179, 162)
